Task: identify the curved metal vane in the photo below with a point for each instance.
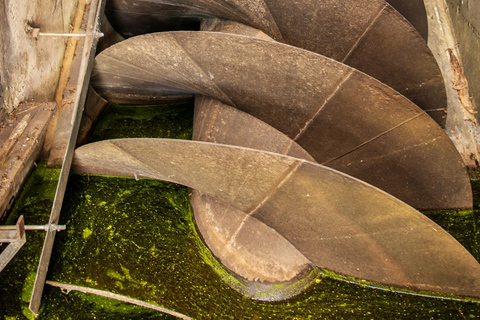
(258, 254)
(414, 11)
(217, 122)
(342, 117)
(368, 35)
(338, 222)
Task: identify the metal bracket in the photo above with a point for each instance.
(15, 236)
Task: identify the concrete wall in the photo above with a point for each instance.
(465, 17)
(30, 66)
(462, 126)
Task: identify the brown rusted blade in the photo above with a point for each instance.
(217, 122)
(337, 222)
(258, 254)
(333, 111)
(368, 35)
(266, 265)
(414, 11)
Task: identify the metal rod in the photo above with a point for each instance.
(46, 227)
(94, 34)
(10, 252)
(69, 287)
(17, 240)
(87, 55)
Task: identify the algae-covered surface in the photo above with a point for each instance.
(16, 280)
(173, 120)
(138, 239)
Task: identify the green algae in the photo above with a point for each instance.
(138, 238)
(464, 225)
(86, 233)
(258, 291)
(16, 280)
(158, 257)
(173, 120)
(77, 305)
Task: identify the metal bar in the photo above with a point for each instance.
(9, 253)
(8, 235)
(88, 55)
(45, 227)
(35, 32)
(15, 245)
(95, 34)
(13, 233)
(106, 294)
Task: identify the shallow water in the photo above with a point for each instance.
(137, 238)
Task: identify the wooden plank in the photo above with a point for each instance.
(22, 141)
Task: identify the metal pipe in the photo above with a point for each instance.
(95, 34)
(46, 227)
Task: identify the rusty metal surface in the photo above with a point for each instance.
(258, 254)
(156, 16)
(15, 237)
(424, 87)
(259, 257)
(217, 222)
(266, 266)
(338, 222)
(331, 110)
(351, 31)
(414, 12)
(217, 122)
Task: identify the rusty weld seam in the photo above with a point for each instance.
(125, 151)
(206, 74)
(337, 89)
(355, 45)
(286, 175)
(374, 138)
